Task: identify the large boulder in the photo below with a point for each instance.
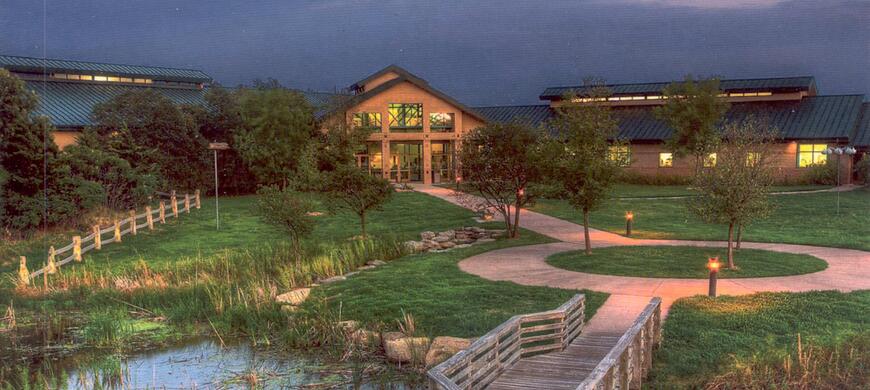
(447, 245)
(415, 246)
(407, 349)
(441, 238)
(443, 348)
(294, 297)
(427, 235)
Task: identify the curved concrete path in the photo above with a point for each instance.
(847, 269)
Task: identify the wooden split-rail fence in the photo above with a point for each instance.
(547, 350)
(120, 228)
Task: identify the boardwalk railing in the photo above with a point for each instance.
(95, 240)
(520, 336)
(627, 363)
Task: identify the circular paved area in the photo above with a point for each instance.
(847, 270)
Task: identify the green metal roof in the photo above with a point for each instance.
(862, 134)
(37, 65)
(779, 84)
(816, 117)
(69, 104)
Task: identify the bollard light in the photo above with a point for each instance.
(629, 217)
(713, 265)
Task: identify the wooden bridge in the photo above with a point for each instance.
(552, 350)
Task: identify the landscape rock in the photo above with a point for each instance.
(363, 336)
(443, 348)
(415, 246)
(376, 263)
(441, 238)
(349, 274)
(427, 235)
(333, 279)
(366, 267)
(294, 297)
(447, 244)
(391, 336)
(407, 349)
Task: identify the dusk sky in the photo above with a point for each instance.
(480, 52)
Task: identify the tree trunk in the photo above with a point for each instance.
(362, 222)
(586, 232)
(731, 245)
(516, 232)
(739, 235)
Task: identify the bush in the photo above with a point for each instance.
(823, 174)
(288, 210)
(629, 177)
(862, 169)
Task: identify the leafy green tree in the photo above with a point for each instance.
(578, 156)
(693, 109)
(498, 163)
(26, 151)
(735, 190)
(4, 177)
(288, 210)
(151, 132)
(349, 188)
(277, 128)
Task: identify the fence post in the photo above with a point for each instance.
(174, 204)
(149, 217)
(98, 241)
(162, 211)
(77, 248)
(133, 222)
(23, 273)
(198, 204)
(51, 267)
(117, 231)
(187, 203)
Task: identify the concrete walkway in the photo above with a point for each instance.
(847, 269)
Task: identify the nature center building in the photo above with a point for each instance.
(416, 129)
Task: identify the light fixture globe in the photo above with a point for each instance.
(839, 151)
(826, 151)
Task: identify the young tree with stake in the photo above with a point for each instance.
(350, 188)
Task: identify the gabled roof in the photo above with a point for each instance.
(37, 65)
(778, 84)
(534, 115)
(862, 133)
(814, 117)
(403, 76)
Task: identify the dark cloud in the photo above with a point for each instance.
(482, 52)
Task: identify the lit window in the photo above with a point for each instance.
(666, 160)
(59, 76)
(765, 93)
(100, 78)
(406, 117)
(72, 77)
(367, 120)
(811, 154)
(621, 154)
(752, 158)
(126, 80)
(441, 122)
(710, 160)
(113, 79)
(653, 97)
(86, 77)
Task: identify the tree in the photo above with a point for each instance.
(277, 127)
(287, 209)
(498, 162)
(348, 187)
(693, 109)
(26, 154)
(151, 132)
(578, 157)
(735, 190)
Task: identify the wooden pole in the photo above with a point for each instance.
(198, 204)
(77, 248)
(117, 231)
(98, 241)
(174, 203)
(133, 222)
(23, 273)
(187, 203)
(51, 267)
(162, 211)
(149, 217)
(45, 280)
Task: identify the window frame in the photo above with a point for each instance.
(398, 122)
(365, 118)
(813, 152)
(710, 160)
(671, 159)
(621, 154)
(442, 128)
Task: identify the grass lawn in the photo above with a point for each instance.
(708, 337)
(444, 300)
(684, 262)
(194, 234)
(622, 190)
(799, 219)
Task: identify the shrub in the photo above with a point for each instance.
(862, 169)
(629, 177)
(288, 210)
(824, 174)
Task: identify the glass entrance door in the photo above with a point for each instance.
(406, 161)
(442, 162)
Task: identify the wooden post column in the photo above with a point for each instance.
(98, 240)
(77, 248)
(133, 222)
(149, 217)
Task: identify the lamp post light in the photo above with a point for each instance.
(629, 217)
(215, 146)
(713, 265)
(839, 151)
